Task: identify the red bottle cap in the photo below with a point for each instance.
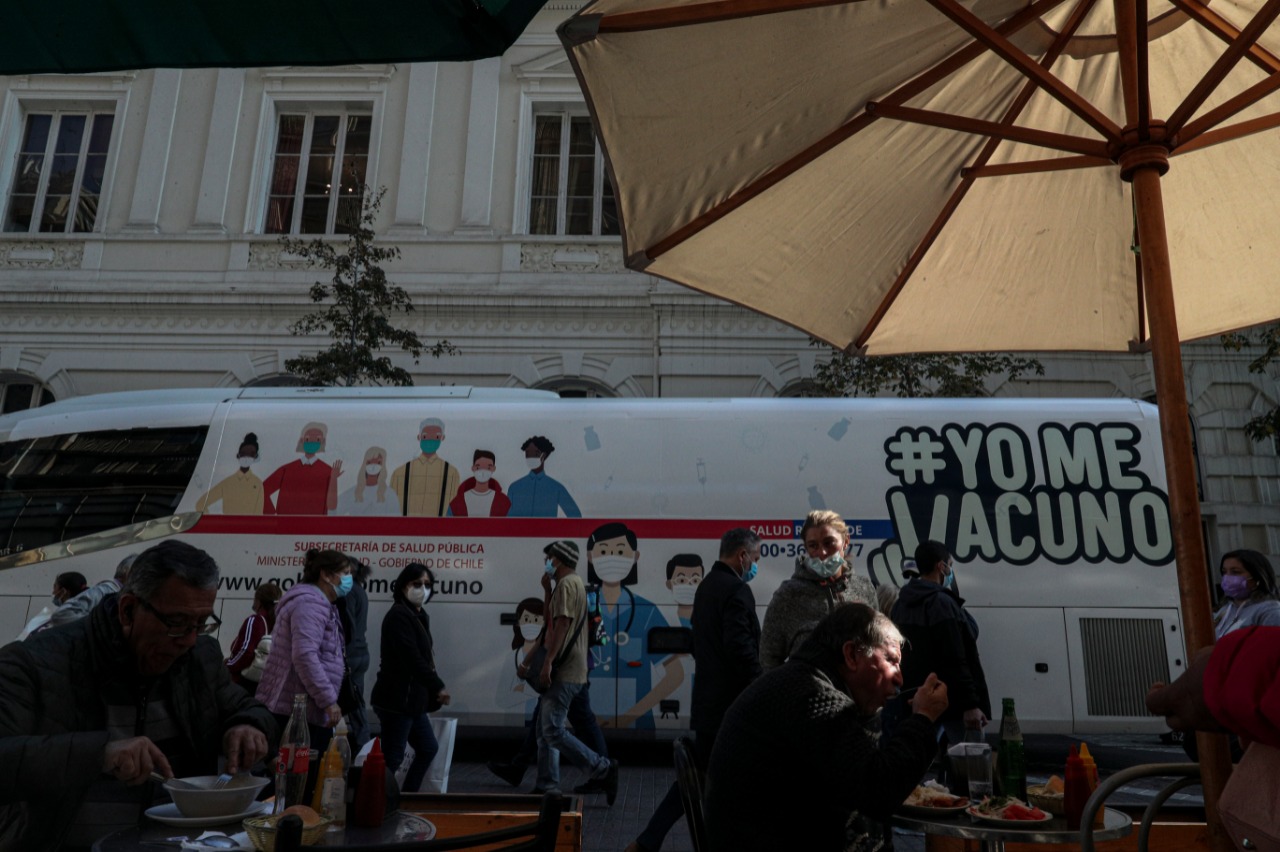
(375, 754)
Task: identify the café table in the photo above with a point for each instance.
(153, 837)
(993, 837)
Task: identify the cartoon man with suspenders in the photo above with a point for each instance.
(427, 483)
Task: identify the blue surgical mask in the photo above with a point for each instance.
(949, 580)
(751, 573)
(344, 585)
(311, 447)
(429, 446)
(550, 568)
(825, 568)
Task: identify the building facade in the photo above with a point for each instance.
(143, 213)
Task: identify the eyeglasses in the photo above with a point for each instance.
(180, 627)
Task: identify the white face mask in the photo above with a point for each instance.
(245, 461)
(483, 475)
(373, 469)
(533, 463)
(612, 569)
(530, 631)
(684, 593)
(416, 595)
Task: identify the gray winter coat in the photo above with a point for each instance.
(53, 726)
(800, 603)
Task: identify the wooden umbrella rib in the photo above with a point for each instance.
(1142, 56)
(1227, 31)
(1031, 167)
(964, 124)
(1005, 49)
(1231, 133)
(1011, 114)
(1225, 63)
(903, 93)
(1226, 109)
(1127, 42)
(703, 13)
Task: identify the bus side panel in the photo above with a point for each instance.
(1013, 644)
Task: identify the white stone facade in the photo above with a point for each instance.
(178, 285)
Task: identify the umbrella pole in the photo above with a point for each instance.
(1175, 432)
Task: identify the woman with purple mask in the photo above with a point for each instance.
(1249, 585)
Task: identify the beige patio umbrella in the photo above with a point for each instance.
(934, 175)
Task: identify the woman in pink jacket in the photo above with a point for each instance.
(307, 646)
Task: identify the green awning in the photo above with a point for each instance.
(79, 36)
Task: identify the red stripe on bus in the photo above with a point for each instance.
(538, 528)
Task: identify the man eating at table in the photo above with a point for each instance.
(89, 710)
(799, 761)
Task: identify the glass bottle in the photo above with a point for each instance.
(1013, 757)
(294, 759)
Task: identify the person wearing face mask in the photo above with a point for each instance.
(944, 640)
(241, 493)
(481, 496)
(408, 687)
(613, 563)
(307, 485)
(537, 495)
(427, 483)
(823, 579)
(371, 495)
(726, 653)
(65, 587)
(684, 573)
(1249, 591)
(307, 647)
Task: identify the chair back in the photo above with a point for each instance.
(690, 780)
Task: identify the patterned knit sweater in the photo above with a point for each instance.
(798, 765)
(800, 603)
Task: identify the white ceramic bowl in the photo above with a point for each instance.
(233, 799)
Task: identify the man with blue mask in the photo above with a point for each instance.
(307, 485)
(426, 484)
(726, 654)
(943, 639)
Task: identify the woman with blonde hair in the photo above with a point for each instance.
(370, 495)
(823, 579)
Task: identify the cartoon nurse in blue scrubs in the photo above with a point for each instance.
(613, 559)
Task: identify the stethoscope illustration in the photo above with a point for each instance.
(600, 655)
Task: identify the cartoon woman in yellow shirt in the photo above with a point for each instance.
(241, 492)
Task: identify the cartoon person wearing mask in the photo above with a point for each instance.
(370, 495)
(241, 493)
(613, 559)
(684, 573)
(514, 692)
(306, 485)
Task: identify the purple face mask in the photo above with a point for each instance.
(1235, 586)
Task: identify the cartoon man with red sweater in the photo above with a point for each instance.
(305, 486)
(481, 495)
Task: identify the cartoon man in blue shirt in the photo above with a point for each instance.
(625, 668)
(537, 495)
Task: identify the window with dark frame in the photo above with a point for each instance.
(318, 174)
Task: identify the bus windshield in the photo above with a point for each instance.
(66, 486)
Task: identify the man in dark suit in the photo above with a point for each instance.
(726, 654)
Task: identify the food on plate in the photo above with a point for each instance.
(931, 794)
(1007, 807)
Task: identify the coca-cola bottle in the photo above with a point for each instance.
(295, 758)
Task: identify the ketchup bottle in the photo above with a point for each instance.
(371, 795)
(1075, 790)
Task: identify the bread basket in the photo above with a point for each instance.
(1048, 802)
(262, 832)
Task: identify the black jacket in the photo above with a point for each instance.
(53, 725)
(942, 639)
(407, 679)
(726, 644)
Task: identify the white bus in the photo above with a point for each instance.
(1055, 511)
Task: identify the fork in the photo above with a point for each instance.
(222, 781)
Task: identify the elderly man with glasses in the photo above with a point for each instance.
(89, 710)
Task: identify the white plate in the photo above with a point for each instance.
(1007, 823)
(926, 811)
(170, 815)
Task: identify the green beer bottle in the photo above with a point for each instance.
(1013, 757)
